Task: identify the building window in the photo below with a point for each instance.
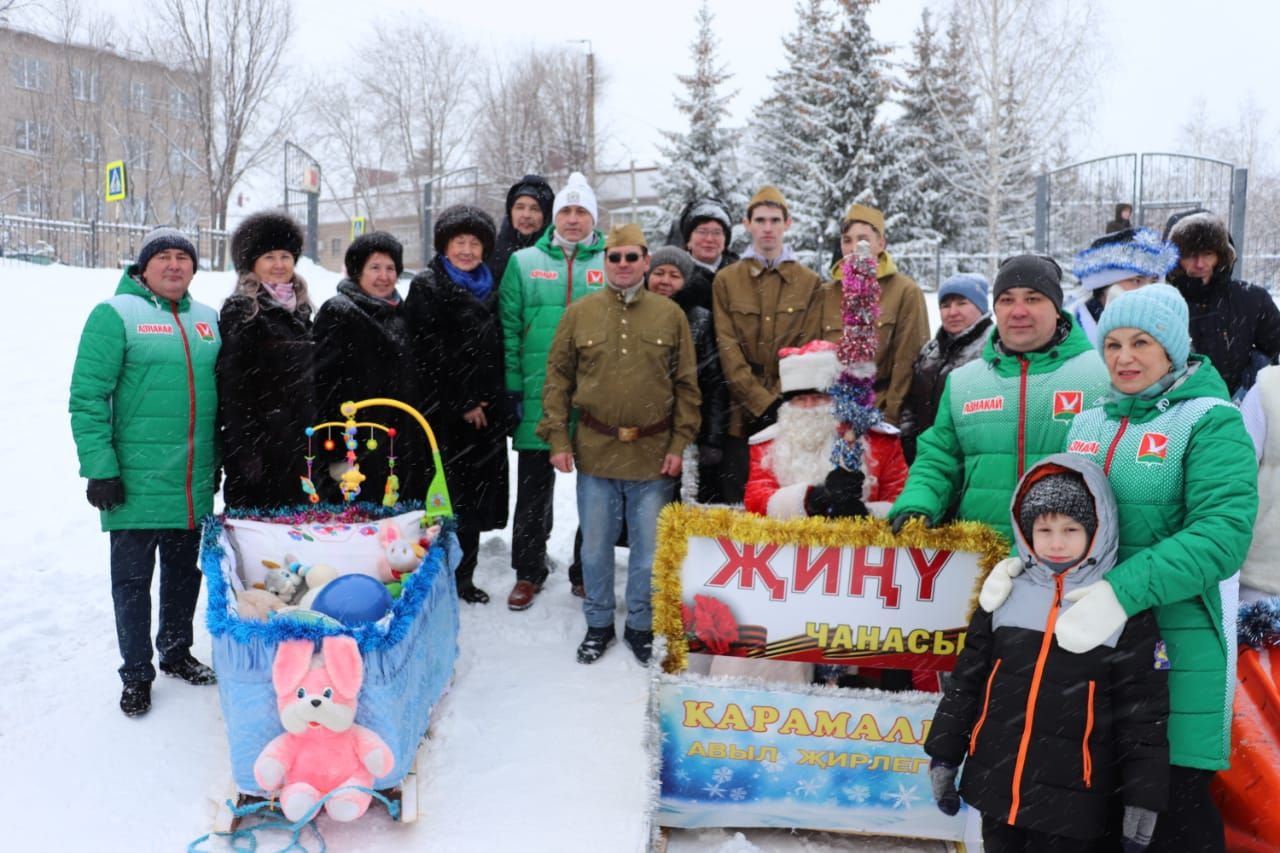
(181, 104)
(137, 153)
(31, 136)
(87, 146)
(84, 84)
(31, 73)
(182, 161)
(336, 246)
(29, 201)
(84, 205)
(136, 96)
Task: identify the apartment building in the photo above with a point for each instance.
(69, 109)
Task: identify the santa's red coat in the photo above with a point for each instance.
(883, 463)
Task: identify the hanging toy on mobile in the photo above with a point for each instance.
(854, 395)
(438, 503)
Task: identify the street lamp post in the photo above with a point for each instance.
(591, 109)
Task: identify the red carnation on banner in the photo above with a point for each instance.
(712, 622)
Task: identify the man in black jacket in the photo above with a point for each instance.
(1234, 323)
(528, 215)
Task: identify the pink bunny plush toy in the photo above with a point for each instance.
(322, 748)
(399, 555)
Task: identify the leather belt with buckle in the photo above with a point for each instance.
(625, 434)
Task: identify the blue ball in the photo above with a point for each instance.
(353, 600)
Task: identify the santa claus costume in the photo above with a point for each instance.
(791, 473)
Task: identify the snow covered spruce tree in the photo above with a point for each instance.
(819, 139)
(927, 203)
(702, 162)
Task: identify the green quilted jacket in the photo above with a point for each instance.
(540, 282)
(1183, 471)
(999, 415)
(143, 403)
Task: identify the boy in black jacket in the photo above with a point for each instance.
(1052, 740)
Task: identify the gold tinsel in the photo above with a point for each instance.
(678, 522)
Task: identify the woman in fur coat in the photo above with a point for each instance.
(457, 343)
(265, 397)
(363, 350)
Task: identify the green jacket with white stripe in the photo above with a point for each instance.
(143, 404)
(1186, 483)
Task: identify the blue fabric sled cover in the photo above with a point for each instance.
(408, 663)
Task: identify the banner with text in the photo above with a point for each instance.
(897, 607)
(821, 758)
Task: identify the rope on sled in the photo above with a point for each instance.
(245, 839)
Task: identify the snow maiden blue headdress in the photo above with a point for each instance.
(1124, 254)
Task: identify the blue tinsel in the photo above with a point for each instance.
(1259, 623)
(222, 618)
(1146, 254)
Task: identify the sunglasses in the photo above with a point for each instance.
(619, 257)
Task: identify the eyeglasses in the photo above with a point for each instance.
(713, 231)
(619, 257)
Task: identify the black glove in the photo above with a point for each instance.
(839, 496)
(710, 455)
(900, 520)
(106, 494)
(1138, 826)
(766, 419)
(942, 778)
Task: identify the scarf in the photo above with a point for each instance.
(478, 282)
(282, 293)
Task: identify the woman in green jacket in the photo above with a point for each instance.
(1182, 466)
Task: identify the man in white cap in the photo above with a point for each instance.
(541, 281)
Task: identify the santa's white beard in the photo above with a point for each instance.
(801, 453)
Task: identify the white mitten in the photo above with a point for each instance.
(998, 585)
(1095, 615)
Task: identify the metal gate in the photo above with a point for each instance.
(1074, 204)
(302, 185)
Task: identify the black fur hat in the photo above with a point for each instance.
(464, 219)
(365, 245)
(702, 210)
(1203, 232)
(262, 232)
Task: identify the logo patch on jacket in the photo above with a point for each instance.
(987, 404)
(1088, 448)
(549, 275)
(1162, 656)
(1067, 404)
(155, 329)
(1153, 448)
(595, 276)
(205, 331)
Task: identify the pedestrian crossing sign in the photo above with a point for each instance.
(117, 186)
(358, 225)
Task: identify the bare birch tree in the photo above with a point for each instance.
(1032, 65)
(229, 56)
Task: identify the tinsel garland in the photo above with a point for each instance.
(853, 396)
(678, 522)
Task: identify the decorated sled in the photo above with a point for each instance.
(378, 578)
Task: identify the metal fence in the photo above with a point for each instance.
(92, 244)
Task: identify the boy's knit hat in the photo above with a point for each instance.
(966, 285)
(1124, 254)
(1157, 309)
(1060, 494)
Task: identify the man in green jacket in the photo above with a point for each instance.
(1009, 409)
(143, 401)
(623, 359)
(542, 281)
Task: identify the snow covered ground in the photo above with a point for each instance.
(531, 751)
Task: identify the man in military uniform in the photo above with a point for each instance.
(622, 360)
(764, 302)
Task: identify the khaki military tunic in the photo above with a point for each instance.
(621, 365)
(759, 311)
